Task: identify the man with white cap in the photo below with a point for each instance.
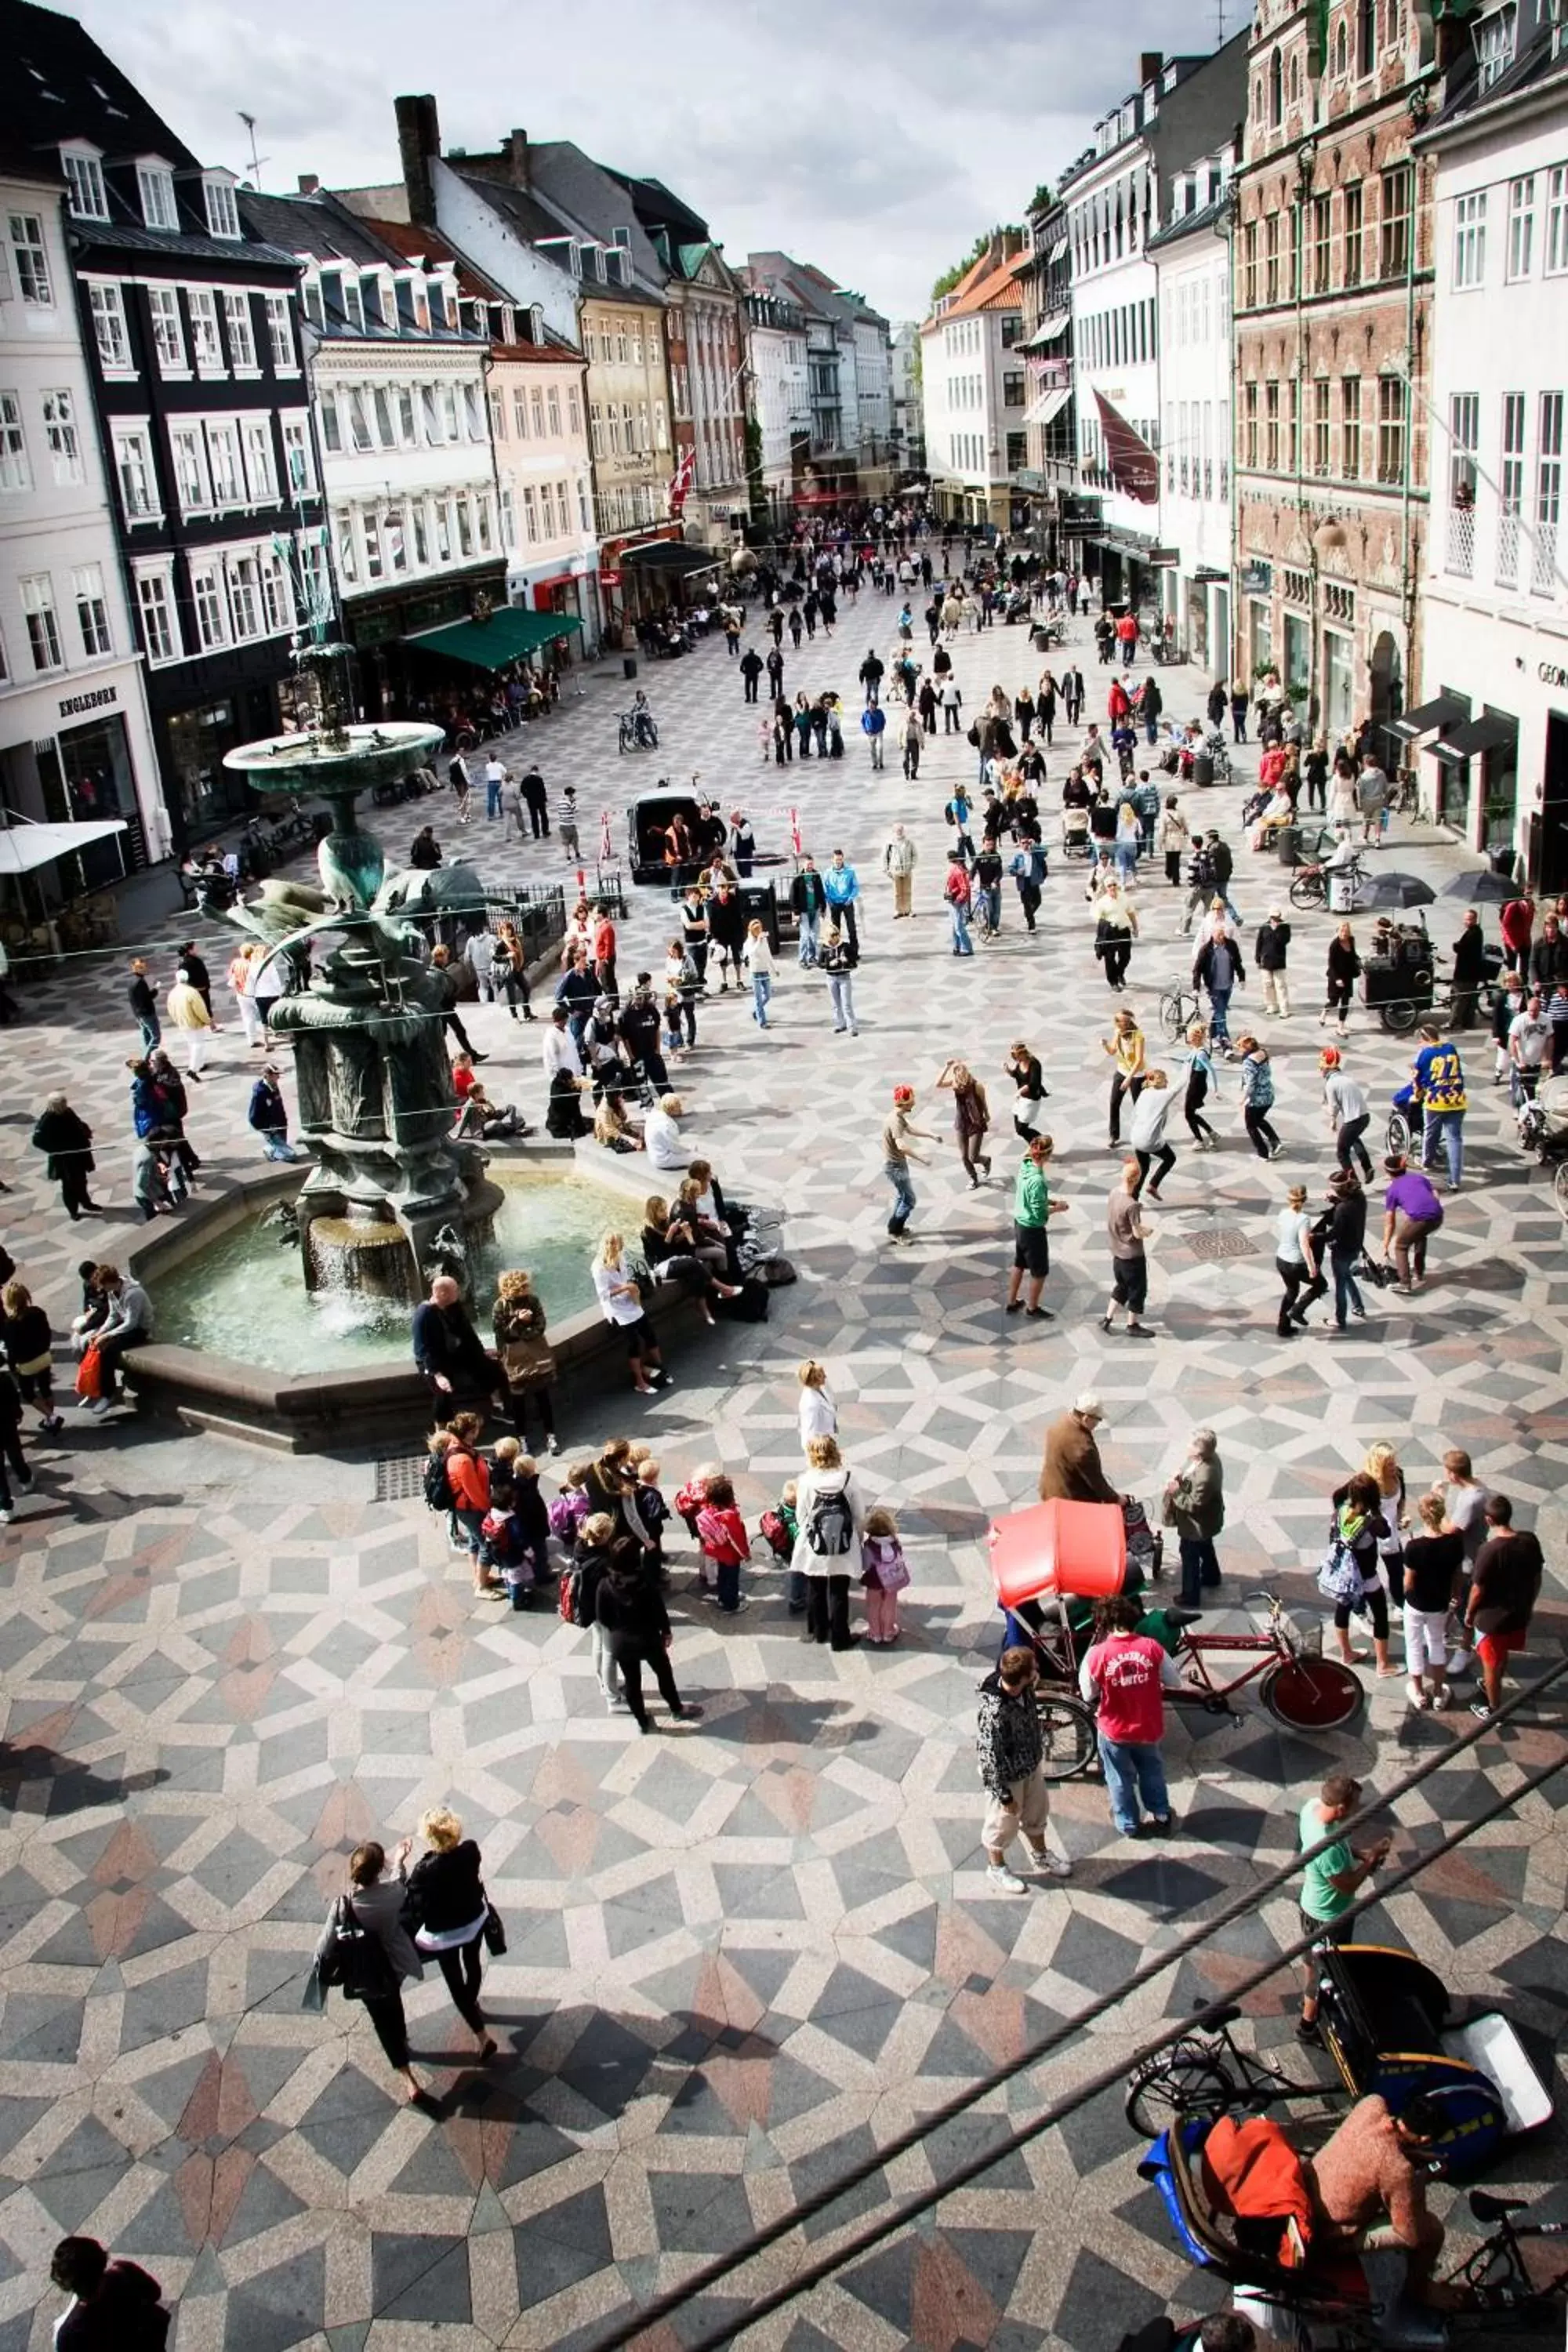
(1071, 1470)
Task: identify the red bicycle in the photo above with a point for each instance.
(1300, 1687)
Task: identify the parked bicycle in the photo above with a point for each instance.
(1205, 2074)
(638, 729)
(1178, 1010)
(1311, 885)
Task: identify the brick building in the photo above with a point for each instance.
(1332, 272)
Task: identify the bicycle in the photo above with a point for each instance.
(1299, 1687)
(1178, 1010)
(638, 732)
(1498, 2277)
(1311, 885)
(1205, 2074)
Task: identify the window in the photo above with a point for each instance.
(168, 335)
(430, 415)
(1548, 496)
(64, 444)
(281, 335)
(1350, 428)
(188, 450)
(465, 528)
(584, 522)
(519, 413)
(498, 417)
(1520, 226)
(207, 602)
(552, 400)
(299, 472)
(451, 430)
(133, 464)
(1391, 422)
(352, 302)
(1320, 419)
(1464, 439)
(1510, 489)
(1396, 238)
(348, 555)
(261, 472)
(474, 412)
(1557, 220)
(1366, 36)
(443, 532)
(530, 518)
(14, 471)
(155, 185)
(482, 517)
(1276, 90)
(277, 595)
(91, 611)
(107, 307)
(383, 432)
(1354, 207)
(536, 407)
(1272, 258)
(359, 419)
(1013, 390)
(1323, 231)
(43, 628)
(375, 564)
(1494, 38)
(1249, 411)
(204, 341)
(241, 341)
(84, 177)
(223, 213)
(421, 535)
(310, 295)
(223, 456)
(1470, 240)
(32, 262)
(508, 515)
(159, 622)
(332, 424)
(396, 540)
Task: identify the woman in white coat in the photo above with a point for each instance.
(818, 1414)
(830, 1513)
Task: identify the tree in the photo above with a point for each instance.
(950, 278)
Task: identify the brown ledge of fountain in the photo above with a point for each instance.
(324, 1412)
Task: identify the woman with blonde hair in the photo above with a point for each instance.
(518, 1324)
(620, 1301)
(971, 1117)
(448, 1908)
(1127, 1049)
(241, 974)
(830, 1515)
(818, 1414)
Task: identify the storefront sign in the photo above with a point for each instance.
(1081, 514)
(609, 579)
(99, 699)
(1548, 673)
(1256, 578)
(1163, 559)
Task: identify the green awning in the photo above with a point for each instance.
(507, 633)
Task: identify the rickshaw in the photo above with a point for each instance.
(1050, 1564)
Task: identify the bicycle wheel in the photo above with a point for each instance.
(1398, 1135)
(1560, 1185)
(1308, 890)
(1398, 1018)
(1182, 2081)
(1311, 1693)
(1066, 1730)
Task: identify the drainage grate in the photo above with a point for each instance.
(400, 1478)
(1217, 1246)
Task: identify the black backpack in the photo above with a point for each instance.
(830, 1529)
(439, 1492)
(355, 1960)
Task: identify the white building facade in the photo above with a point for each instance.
(1112, 214)
(780, 389)
(76, 742)
(1491, 723)
(975, 394)
(1192, 264)
(909, 410)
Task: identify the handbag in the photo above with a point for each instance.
(355, 1959)
(89, 1376)
(494, 1930)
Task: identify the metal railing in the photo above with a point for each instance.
(1460, 557)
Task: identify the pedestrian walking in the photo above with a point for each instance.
(1175, 840)
(838, 961)
(371, 1910)
(1115, 929)
(447, 1903)
(971, 1117)
(1365, 1521)
(1128, 1050)
(1471, 968)
(1505, 1586)
(955, 891)
(1029, 1089)
(1010, 1748)
(1146, 1133)
(1033, 1209)
(1344, 972)
(66, 1139)
(1330, 1883)
(1348, 1112)
(1200, 1078)
(1123, 1675)
(1219, 968)
(1257, 1097)
(188, 1013)
(898, 860)
(758, 963)
(873, 726)
(1346, 1236)
(629, 1612)
(1194, 1505)
(1129, 1262)
(808, 900)
(143, 1005)
(896, 1156)
(1439, 1079)
(842, 886)
(1269, 953)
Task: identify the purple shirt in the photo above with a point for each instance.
(1412, 1193)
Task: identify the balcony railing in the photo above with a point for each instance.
(1508, 551)
(1543, 565)
(1460, 557)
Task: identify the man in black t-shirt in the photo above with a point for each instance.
(1505, 1586)
(118, 2307)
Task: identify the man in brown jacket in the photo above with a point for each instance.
(1071, 1470)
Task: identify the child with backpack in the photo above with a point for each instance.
(884, 1572)
(570, 1508)
(780, 1528)
(721, 1533)
(689, 1498)
(517, 1525)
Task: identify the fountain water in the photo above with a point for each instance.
(375, 1095)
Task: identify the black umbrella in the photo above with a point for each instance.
(1483, 889)
(1390, 889)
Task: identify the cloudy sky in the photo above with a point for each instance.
(875, 139)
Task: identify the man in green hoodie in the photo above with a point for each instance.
(1033, 1209)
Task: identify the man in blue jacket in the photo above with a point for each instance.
(268, 1114)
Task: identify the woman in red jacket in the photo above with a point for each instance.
(1516, 923)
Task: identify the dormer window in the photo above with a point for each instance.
(1496, 37)
(535, 323)
(84, 176)
(223, 213)
(310, 295)
(156, 186)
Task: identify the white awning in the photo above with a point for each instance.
(1057, 251)
(1049, 405)
(25, 848)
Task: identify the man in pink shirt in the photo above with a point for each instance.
(1127, 1671)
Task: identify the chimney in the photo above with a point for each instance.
(418, 148)
(1149, 66)
(514, 147)
(308, 183)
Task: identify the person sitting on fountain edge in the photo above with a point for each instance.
(447, 1348)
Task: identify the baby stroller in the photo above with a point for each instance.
(1544, 1129)
(1075, 832)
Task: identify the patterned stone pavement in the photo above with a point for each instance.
(744, 1957)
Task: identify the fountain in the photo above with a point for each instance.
(391, 1197)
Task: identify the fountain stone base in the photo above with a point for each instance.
(345, 1247)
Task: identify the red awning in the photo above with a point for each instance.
(1131, 464)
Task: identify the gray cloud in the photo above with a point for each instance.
(876, 142)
